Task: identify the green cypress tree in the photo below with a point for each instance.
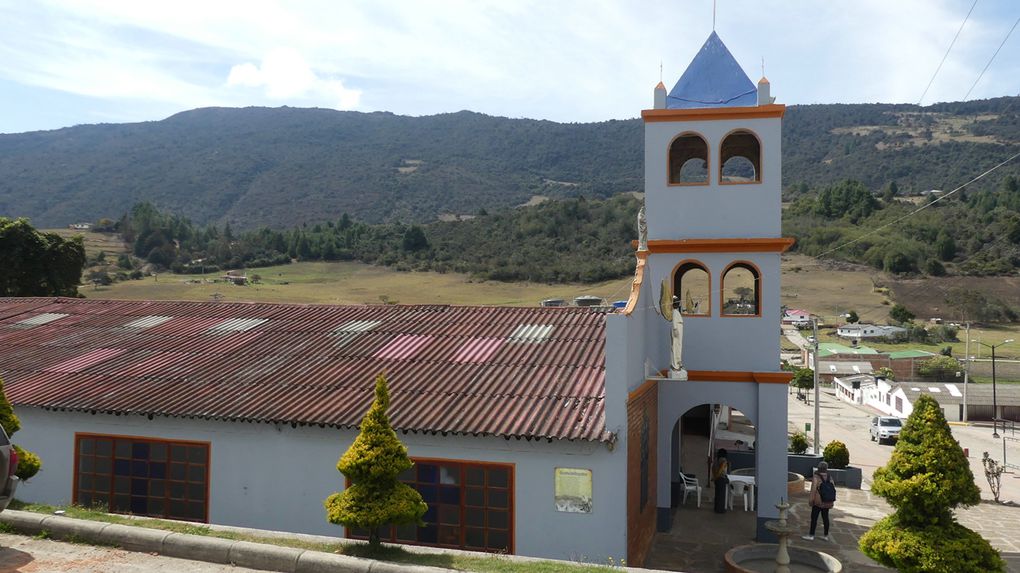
(926, 478)
(375, 497)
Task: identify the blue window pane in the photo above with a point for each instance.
(430, 514)
(139, 468)
(157, 470)
(140, 450)
(428, 473)
(428, 493)
(122, 467)
(139, 487)
(449, 495)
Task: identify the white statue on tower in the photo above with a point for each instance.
(672, 310)
(642, 230)
(676, 363)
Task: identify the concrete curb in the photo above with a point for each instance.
(260, 556)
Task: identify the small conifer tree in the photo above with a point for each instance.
(926, 478)
(28, 462)
(375, 497)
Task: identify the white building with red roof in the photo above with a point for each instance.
(545, 431)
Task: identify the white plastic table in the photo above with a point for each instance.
(748, 480)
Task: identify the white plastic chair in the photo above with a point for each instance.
(740, 488)
(691, 484)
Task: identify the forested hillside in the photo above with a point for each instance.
(282, 167)
(575, 240)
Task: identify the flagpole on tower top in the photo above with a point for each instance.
(713, 15)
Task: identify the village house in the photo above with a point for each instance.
(835, 359)
(898, 398)
(857, 332)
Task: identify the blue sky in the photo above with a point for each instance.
(95, 61)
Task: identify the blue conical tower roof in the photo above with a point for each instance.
(713, 79)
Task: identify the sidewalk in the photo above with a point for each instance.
(855, 512)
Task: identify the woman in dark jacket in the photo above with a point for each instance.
(818, 506)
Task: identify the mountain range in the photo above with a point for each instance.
(281, 167)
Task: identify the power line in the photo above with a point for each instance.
(951, 44)
(992, 59)
(918, 210)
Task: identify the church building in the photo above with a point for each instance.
(547, 432)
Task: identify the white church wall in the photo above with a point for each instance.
(712, 211)
(739, 342)
(276, 477)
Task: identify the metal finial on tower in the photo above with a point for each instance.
(660, 70)
(713, 15)
(763, 66)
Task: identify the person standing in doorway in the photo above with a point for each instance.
(719, 479)
(823, 497)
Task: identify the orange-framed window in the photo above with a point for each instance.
(740, 158)
(688, 160)
(741, 290)
(693, 284)
(471, 506)
(142, 476)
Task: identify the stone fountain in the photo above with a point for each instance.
(779, 558)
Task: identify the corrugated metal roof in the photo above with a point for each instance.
(534, 372)
(911, 354)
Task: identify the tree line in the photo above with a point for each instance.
(574, 240)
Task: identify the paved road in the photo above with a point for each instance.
(29, 555)
(848, 423)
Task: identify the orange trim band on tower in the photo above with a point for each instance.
(739, 376)
(712, 113)
(760, 245)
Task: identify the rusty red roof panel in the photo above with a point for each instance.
(503, 371)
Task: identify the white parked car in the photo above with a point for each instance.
(885, 428)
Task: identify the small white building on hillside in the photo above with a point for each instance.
(861, 331)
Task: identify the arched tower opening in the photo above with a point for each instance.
(741, 290)
(740, 158)
(693, 284)
(688, 160)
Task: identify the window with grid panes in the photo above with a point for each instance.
(470, 507)
(142, 476)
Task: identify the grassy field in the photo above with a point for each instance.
(823, 287)
(830, 289)
(351, 283)
(110, 243)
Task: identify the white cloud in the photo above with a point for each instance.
(570, 60)
(286, 75)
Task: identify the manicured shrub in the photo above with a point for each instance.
(375, 497)
(926, 477)
(798, 443)
(28, 463)
(836, 455)
(950, 548)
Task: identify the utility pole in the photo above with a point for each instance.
(995, 404)
(814, 328)
(966, 372)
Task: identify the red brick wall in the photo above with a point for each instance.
(642, 423)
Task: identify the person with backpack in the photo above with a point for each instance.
(823, 497)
